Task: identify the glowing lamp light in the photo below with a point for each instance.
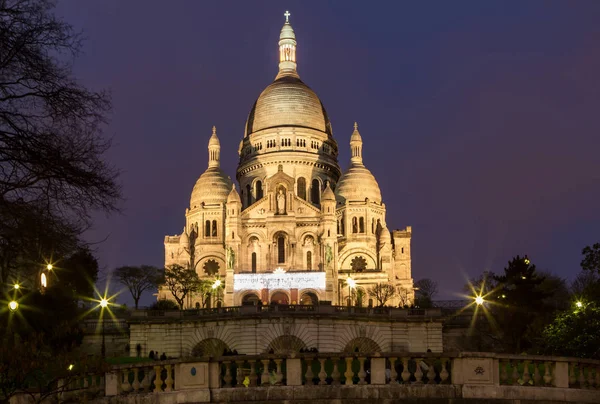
(49, 267)
(579, 304)
(43, 280)
(13, 305)
(479, 300)
(71, 366)
(526, 260)
(16, 286)
(216, 284)
(103, 303)
(351, 282)
(279, 271)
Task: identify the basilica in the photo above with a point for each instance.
(294, 228)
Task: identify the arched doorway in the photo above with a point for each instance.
(362, 344)
(280, 298)
(209, 347)
(250, 299)
(309, 298)
(286, 344)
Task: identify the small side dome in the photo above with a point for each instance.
(212, 187)
(234, 196)
(357, 183)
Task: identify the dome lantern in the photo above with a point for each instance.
(287, 49)
(214, 149)
(356, 147)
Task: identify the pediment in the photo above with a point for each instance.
(280, 178)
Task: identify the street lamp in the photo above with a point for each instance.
(579, 304)
(49, 267)
(103, 305)
(215, 286)
(351, 285)
(16, 286)
(13, 305)
(479, 300)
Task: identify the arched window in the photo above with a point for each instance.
(361, 226)
(207, 228)
(302, 188)
(354, 225)
(315, 192)
(373, 226)
(253, 262)
(309, 260)
(248, 195)
(214, 228)
(259, 190)
(280, 249)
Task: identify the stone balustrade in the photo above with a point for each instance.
(392, 375)
(286, 309)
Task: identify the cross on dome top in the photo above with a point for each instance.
(287, 16)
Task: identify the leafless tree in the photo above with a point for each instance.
(51, 168)
(137, 279)
(404, 297)
(426, 288)
(382, 292)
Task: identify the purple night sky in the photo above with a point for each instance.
(480, 119)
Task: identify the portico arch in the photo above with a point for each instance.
(362, 344)
(286, 344)
(280, 297)
(209, 347)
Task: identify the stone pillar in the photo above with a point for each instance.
(111, 386)
(561, 374)
(214, 375)
(294, 296)
(378, 371)
(294, 372)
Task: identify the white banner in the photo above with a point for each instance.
(286, 280)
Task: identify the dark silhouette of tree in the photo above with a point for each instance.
(591, 258)
(426, 288)
(164, 304)
(575, 332)
(52, 175)
(181, 282)
(78, 273)
(522, 300)
(138, 279)
(382, 292)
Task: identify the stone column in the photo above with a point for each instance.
(378, 371)
(294, 372)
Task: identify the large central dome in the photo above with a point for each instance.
(288, 102)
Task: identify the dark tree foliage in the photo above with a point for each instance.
(520, 300)
(164, 304)
(77, 274)
(52, 175)
(180, 281)
(138, 279)
(591, 258)
(586, 286)
(575, 332)
(426, 288)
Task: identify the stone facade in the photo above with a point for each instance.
(296, 212)
(251, 336)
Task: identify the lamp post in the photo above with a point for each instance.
(479, 300)
(103, 305)
(351, 285)
(215, 286)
